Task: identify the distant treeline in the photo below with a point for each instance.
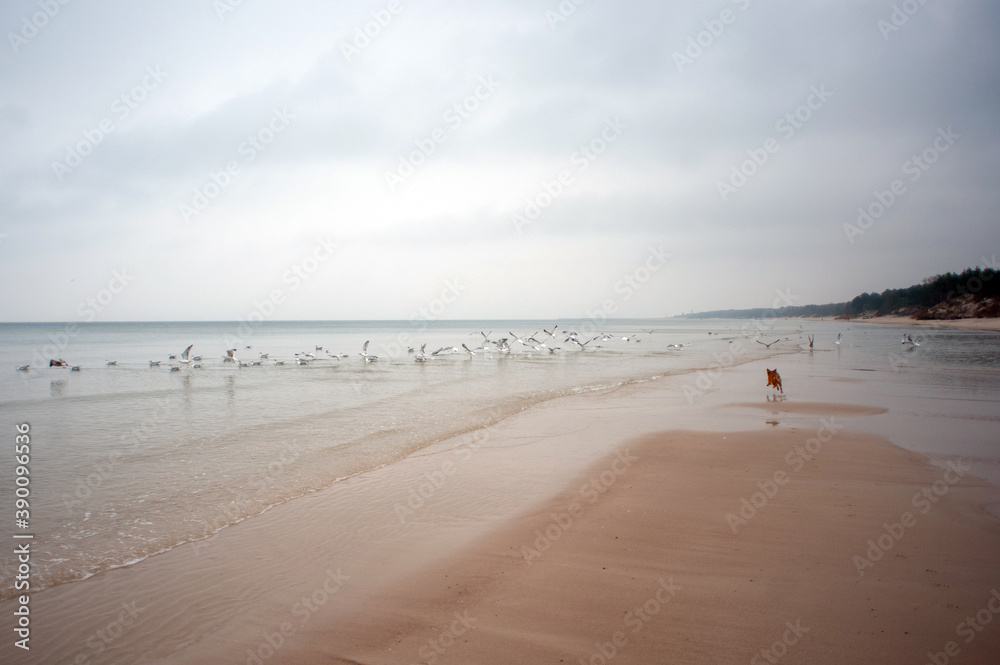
(932, 291)
(977, 283)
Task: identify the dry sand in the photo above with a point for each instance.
(626, 506)
(963, 324)
(992, 324)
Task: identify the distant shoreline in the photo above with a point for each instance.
(991, 324)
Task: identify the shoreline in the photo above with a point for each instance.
(988, 324)
(374, 548)
(992, 325)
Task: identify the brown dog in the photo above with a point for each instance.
(774, 379)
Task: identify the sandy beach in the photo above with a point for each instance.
(632, 525)
(461, 333)
(669, 563)
(962, 324)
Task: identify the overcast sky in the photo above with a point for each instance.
(513, 159)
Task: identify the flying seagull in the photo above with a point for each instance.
(364, 354)
(582, 345)
(421, 357)
(521, 340)
(768, 345)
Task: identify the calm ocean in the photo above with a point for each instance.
(129, 460)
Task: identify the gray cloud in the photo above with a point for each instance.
(353, 119)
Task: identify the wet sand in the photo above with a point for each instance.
(669, 565)
(630, 499)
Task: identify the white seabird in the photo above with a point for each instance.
(364, 354)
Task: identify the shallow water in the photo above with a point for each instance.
(130, 460)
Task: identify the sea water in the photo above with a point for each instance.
(129, 459)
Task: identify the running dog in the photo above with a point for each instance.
(774, 379)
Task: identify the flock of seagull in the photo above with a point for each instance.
(501, 345)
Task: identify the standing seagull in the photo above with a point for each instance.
(840, 338)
